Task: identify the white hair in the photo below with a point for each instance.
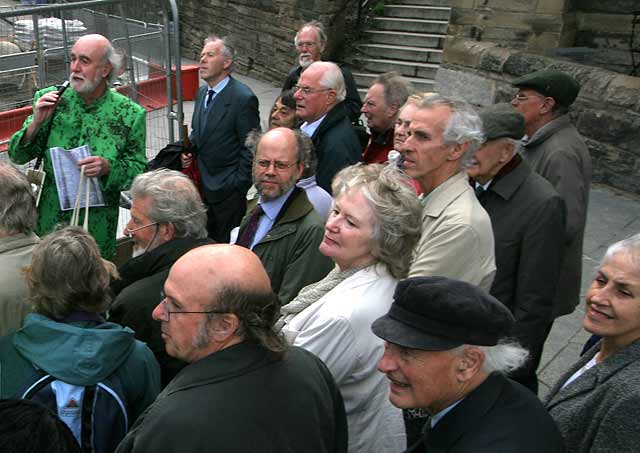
(332, 78)
(505, 357)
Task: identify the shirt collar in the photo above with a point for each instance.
(220, 85)
(271, 208)
(437, 417)
(310, 128)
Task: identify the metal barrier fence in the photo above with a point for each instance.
(35, 44)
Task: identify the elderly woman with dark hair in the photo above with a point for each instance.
(596, 404)
(370, 234)
(67, 338)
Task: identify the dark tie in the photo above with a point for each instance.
(479, 191)
(207, 101)
(421, 444)
(246, 238)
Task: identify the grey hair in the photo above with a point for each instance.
(175, 200)
(505, 357)
(464, 124)
(257, 310)
(18, 212)
(116, 59)
(332, 78)
(228, 49)
(396, 88)
(320, 32)
(304, 147)
(630, 246)
(396, 210)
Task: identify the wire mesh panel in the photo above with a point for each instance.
(35, 46)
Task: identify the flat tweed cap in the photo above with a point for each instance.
(550, 82)
(439, 313)
(501, 120)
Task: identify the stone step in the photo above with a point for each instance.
(421, 2)
(410, 25)
(405, 53)
(399, 38)
(364, 80)
(405, 68)
(417, 12)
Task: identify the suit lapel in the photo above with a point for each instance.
(218, 109)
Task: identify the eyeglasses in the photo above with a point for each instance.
(521, 97)
(168, 312)
(307, 44)
(277, 164)
(128, 231)
(306, 91)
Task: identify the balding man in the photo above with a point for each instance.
(244, 389)
(310, 42)
(382, 104)
(319, 99)
(92, 114)
(18, 217)
(281, 226)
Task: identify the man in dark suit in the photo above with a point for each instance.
(528, 219)
(445, 353)
(225, 111)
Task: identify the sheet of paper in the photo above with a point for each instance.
(67, 176)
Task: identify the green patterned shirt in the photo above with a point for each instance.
(114, 128)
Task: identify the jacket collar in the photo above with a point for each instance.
(443, 195)
(17, 241)
(593, 376)
(229, 363)
(334, 116)
(162, 257)
(296, 207)
(507, 183)
(548, 130)
(475, 406)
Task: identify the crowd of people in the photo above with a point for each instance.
(382, 295)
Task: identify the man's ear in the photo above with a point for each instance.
(547, 106)
(469, 363)
(106, 70)
(223, 327)
(457, 151)
(226, 64)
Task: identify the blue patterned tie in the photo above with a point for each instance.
(210, 94)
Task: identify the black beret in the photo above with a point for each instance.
(439, 313)
(552, 83)
(501, 120)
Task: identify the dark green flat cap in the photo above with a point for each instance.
(552, 83)
(501, 120)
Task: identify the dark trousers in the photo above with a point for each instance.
(225, 215)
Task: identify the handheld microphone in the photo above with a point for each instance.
(395, 158)
(62, 88)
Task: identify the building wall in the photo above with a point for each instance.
(479, 69)
(261, 30)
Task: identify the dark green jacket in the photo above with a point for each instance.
(289, 251)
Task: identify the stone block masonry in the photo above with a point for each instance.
(261, 30)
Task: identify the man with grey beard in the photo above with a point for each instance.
(310, 42)
(281, 225)
(168, 219)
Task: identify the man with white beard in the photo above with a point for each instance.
(310, 42)
(168, 219)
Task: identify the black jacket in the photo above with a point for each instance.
(137, 293)
(336, 144)
(500, 416)
(352, 102)
(240, 400)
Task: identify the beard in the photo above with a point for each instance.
(85, 86)
(275, 192)
(304, 60)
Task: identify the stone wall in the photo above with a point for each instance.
(491, 42)
(261, 30)
(606, 112)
